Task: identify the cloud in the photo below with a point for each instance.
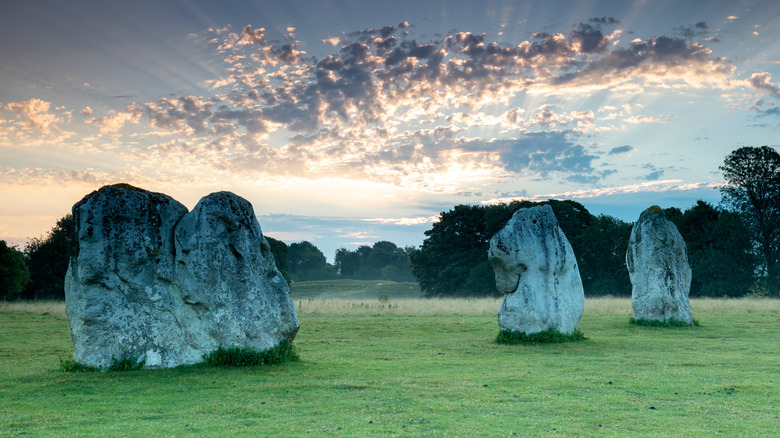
(763, 82)
(115, 121)
(635, 120)
(619, 150)
(416, 220)
(34, 122)
(764, 108)
(698, 30)
(59, 177)
(35, 114)
(380, 77)
(384, 105)
(359, 235)
(655, 186)
(658, 61)
(605, 20)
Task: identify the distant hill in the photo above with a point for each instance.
(353, 289)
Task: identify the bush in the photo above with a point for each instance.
(549, 336)
(238, 356)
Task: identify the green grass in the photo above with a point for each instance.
(420, 375)
(353, 289)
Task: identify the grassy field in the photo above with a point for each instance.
(413, 368)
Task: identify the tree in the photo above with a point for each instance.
(719, 250)
(279, 251)
(14, 274)
(753, 190)
(347, 262)
(48, 258)
(307, 262)
(453, 247)
(384, 260)
(601, 256)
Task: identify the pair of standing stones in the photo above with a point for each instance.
(535, 267)
(151, 280)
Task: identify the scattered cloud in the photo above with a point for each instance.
(648, 186)
(35, 114)
(442, 115)
(359, 235)
(764, 108)
(113, 122)
(763, 82)
(619, 150)
(416, 220)
(33, 122)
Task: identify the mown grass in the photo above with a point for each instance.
(420, 374)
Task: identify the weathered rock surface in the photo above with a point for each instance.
(535, 266)
(657, 262)
(151, 280)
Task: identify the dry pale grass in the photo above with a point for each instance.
(490, 306)
(42, 307)
(449, 306)
(406, 306)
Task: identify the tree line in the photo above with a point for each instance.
(303, 261)
(733, 248)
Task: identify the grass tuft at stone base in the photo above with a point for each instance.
(549, 336)
(71, 366)
(246, 356)
(656, 323)
(126, 362)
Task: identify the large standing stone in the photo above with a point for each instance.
(657, 262)
(151, 280)
(535, 266)
(228, 277)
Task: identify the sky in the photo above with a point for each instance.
(349, 122)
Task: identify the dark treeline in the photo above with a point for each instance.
(302, 261)
(733, 249)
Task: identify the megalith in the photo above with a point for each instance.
(228, 277)
(657, 262)
(150, 280)
(535, 268)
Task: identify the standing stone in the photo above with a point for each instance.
(535, 267)
(150, 280)
(228, 277)
(657, 262)
(120, 288)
